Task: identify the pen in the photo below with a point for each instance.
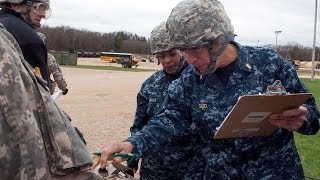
(123, 155)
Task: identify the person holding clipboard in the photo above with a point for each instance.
(203, 96)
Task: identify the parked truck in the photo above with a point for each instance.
(127, 60)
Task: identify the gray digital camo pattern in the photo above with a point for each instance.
(54, 69)
(158, 164)
(205, 102)
(19, 1)
(37, 140)
(12, 1)
(197, 22)
(159, 41)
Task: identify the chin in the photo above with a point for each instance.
(37, 24)
(202, 70)
(171, 72)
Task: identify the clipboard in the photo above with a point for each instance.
(248, 116)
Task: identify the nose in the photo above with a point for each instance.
(167, 59)
(191, 59)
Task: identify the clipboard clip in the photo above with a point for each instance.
(276, 88)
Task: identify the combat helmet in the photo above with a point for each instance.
(195, 23)
(42, 6)
(12, 1)
(47, 2)
(159, 40)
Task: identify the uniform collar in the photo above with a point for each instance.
(243, 60)
(241, 65)
(171, 77)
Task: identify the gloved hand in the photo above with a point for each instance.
(64, 92)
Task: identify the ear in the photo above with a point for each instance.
(17, 7)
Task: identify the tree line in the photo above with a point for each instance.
(64, 38)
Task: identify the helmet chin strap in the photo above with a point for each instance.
(213, 59)
(27, 15)
(181, 64)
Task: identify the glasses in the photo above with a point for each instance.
(42, 9)
(193, 51)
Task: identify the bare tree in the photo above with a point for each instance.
(64, 38)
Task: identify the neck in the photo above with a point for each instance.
(229, 55)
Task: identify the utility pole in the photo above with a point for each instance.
(277, 33)
(314, 41)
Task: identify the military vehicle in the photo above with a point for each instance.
(127, 60)
(128, 63)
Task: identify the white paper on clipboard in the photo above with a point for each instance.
(248, 116)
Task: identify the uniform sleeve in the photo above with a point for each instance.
(56, 72)
(172, 121)
(141, 115)
(18, 127)
(293, 84)
(140, 120)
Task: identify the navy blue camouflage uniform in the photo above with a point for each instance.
(203, 102)
(161, 164)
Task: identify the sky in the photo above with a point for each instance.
(254, 21)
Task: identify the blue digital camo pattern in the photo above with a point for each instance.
(158, 164)
(205, 101)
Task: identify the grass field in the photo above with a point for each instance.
(308, 146)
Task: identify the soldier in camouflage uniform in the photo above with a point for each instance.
(160, 164)
(37, 140)
(54, 69)
(57, 74)
(21, 18)
(203, 96)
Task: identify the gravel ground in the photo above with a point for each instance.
(102, 103)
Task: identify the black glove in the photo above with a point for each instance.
(64, 92)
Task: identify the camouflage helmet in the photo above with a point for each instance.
(12, 1)
(44, 5)
(47, 2)
(160, 40)
(199, 22)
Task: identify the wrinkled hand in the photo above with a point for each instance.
(64, 92)
(291, 119)
(107, 151)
